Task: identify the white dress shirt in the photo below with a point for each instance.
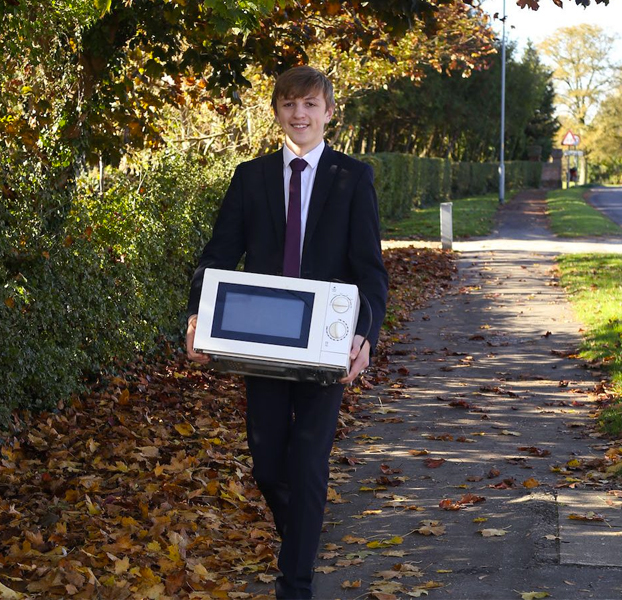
(307, 179)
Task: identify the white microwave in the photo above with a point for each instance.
(281, 327)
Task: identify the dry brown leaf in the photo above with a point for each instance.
(492, 532)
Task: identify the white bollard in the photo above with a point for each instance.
(447, 228)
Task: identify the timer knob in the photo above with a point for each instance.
(337, 330)
(341, 304)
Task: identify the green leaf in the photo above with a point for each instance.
(103, 6)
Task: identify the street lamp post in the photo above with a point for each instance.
(502, 145)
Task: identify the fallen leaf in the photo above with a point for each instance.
(185, 429)
(492, 532)
(466, 500)
(383, 596)
(534, 450)
(335, 497)
(434, 463)
(350, 539)
(531, 483)
(349, 585)
(506, 484)
(326, 569)
(448, 504)
(9, 594)
(533, 595)
(590, 516)
(431, 529)
(394, 541)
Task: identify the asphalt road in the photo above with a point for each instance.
(608, 201)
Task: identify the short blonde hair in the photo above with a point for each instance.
(299, 82)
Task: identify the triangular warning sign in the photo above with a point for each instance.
(569, 139)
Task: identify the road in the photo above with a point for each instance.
(609, 202)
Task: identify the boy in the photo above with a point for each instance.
(315, 218)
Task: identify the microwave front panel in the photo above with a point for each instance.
(262, 316)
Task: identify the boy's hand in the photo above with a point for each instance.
(359, 357)
(192, 355)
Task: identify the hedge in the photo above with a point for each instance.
(90, 279)
(110, 282)
(405, 181)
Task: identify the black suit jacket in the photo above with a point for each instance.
(342, 236)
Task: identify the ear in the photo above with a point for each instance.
(329, 114)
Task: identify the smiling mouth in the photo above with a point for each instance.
(299, 125)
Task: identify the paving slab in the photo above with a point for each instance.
(590, 528)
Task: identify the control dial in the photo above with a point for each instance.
(337, 330)
(341, 304)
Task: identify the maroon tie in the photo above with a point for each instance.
(291, 259)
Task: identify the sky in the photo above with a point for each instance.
(538, 25)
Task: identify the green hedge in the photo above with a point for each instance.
(404, 181)
(109, 280)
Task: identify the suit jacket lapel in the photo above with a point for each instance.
(273, 172)
(326, 171)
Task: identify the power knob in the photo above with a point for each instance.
(337, 330)
(341, 304)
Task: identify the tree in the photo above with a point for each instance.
(583, 71)
(604, 140)
(462, 44)
(543, 125)
(441, 115)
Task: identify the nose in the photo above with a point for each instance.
(298, 109)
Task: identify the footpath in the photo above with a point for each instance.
(469, 477)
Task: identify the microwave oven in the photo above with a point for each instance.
(272, 326)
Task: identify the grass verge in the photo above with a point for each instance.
(571, 216)
(472, 217)
(594, 285)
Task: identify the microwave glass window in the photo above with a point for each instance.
(264, 315)
(251, 313)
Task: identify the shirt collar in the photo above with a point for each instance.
(312, 157)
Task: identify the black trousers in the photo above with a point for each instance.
(291, 427)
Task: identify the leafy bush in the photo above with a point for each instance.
(106, 279)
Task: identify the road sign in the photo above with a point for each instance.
(570, 139)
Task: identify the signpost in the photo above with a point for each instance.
(570, 139)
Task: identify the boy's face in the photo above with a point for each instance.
(303, 121)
